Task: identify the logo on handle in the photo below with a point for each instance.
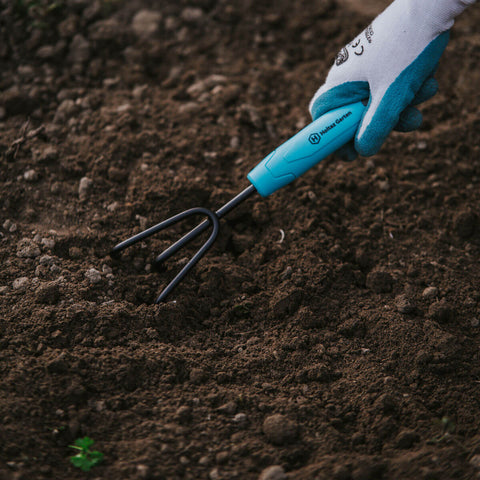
(314, 138)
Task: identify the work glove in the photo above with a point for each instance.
(391, 66)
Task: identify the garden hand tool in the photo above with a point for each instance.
(286, 163)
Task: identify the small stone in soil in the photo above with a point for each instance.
(274, 472)
(93, 275)
(20, 283)
(84, 187)
(279, 430)
(27, 248)
(240, 419)
(145, 23)
(404, 305)
(430, 293)
(30, 175)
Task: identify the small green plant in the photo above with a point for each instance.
(85, 459)
(447, 428)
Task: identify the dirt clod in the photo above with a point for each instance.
(279, 429)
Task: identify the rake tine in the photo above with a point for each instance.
(213, 218)
(201, 252)
(221, 212)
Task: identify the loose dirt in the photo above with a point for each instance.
(332, 332)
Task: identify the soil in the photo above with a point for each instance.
(334, 328)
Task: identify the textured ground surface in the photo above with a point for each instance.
(334, 353)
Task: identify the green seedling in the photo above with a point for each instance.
(446, 427)
(85, 459)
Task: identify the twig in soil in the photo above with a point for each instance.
(25, 135)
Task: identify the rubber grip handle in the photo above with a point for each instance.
(307, 148)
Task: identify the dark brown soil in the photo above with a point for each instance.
(334, 353)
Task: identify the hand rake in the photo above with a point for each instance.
(286, 163)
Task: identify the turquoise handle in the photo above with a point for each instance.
(307, 148)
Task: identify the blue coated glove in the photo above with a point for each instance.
(391, 65)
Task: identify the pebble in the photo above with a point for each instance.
(84, 187)
(46, 260)
(189, 107)
(143, 471)
(139, 92)
(48, 243)
(474, 322)
(48, 154)
(68, 27)
(145, 23)
(386, 403)
(430, 293)
(30, 175)
(109, 30)
(46, 52)
(93, 275)
(183, 414)
(197, 375)
(240, 419)
(206, 84)
(20, 283)
(214, 474)
(475, 461)
(10, 226)
(404, 305)
(279, 430)
(26, 248)
(192, 15)
(274, 472)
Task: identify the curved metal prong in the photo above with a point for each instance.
(221, 212)
(212, 220)
(201, 252)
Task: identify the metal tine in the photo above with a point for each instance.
(200, 253)
(157, 228)
(221, 212)
(213, 219)
(172, 249)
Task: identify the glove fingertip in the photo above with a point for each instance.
(410, 119)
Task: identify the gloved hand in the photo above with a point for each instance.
(391, 64)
